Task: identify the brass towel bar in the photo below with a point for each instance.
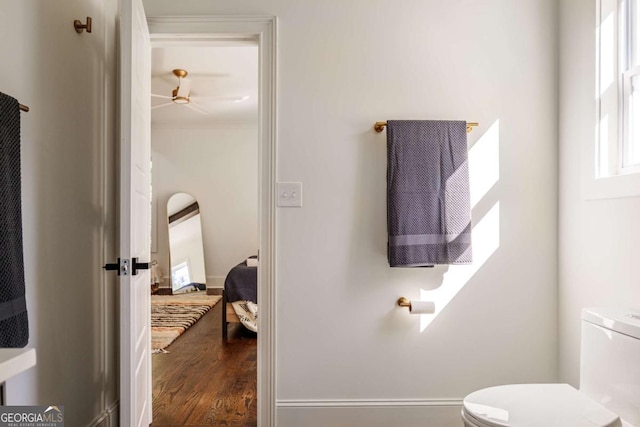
(24, 108)
(379, 126)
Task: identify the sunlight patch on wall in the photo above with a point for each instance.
(484, 174)
(607, 51)
(602, 166)
(486, 240)
(484, 163)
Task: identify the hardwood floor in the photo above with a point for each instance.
(205, 382)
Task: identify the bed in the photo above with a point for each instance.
(241, 290)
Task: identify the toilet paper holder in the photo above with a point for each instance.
(404, 302)
(417, 307)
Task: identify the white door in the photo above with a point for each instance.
(135, 231)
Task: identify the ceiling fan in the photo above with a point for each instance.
(181, 95)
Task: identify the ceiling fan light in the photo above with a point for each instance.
(181, 100)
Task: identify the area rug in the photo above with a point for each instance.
(171, 315)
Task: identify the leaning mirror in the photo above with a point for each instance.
(186, 250)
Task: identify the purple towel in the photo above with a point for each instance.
(428, 208)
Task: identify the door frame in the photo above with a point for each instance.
(261, 29)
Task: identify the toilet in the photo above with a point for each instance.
(609, 394)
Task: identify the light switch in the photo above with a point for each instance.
(290, 194)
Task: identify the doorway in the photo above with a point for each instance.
(204, 152)
(199, 31)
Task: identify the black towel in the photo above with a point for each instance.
(428, 208)
(14, 326)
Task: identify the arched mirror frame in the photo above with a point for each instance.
(186, 248)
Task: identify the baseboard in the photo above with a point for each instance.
(365, 403)
(369, 413)
(109, 418)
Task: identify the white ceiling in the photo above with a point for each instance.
(214, 71)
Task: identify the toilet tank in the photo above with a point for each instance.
(610, 360)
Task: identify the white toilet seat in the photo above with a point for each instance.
(471, 421)
(535, 405)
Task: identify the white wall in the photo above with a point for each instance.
(219, 168)
(341, 340)
(68, 141)
(342, 66)
(598, 238)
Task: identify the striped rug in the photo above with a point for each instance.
(171, 315)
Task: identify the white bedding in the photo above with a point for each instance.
(247, 312)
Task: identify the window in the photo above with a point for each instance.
(180, 275)
(629, 58)
(619, 87)
(614, 161)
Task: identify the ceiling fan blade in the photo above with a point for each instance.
(161, 105)
(223, 98)
(161, 96)
(197, 107)
(184, 88)
(208, 75)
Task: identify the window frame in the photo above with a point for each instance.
(628, 72)
(603, 174)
